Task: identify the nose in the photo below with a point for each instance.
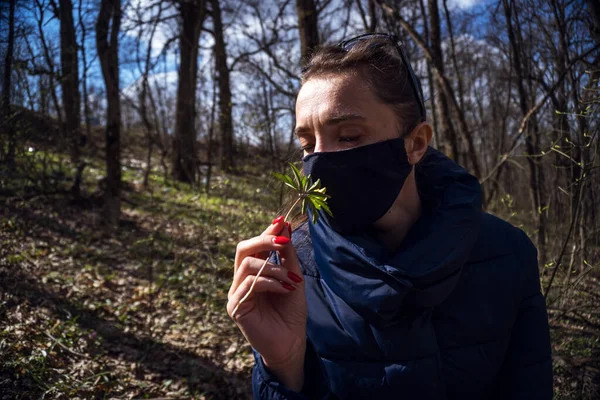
(318, 146)
(322, 145)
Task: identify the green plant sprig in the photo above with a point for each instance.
(312, 196)
(309, 195)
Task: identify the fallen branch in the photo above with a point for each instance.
(62, 346)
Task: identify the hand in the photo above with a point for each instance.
(273, 317)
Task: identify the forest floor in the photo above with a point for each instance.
(140, 313)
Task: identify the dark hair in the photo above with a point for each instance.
(378, 62)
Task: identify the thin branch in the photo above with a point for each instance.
(532, 111)
(62, 346)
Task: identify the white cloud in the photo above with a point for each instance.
(463, 4)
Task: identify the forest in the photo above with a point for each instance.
(138, 142)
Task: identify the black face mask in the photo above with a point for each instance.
(363, 182)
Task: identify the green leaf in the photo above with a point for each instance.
(315, 187)
(310, 195)
(297, 175)
(286, 180)
(319, 195)
(318, 204)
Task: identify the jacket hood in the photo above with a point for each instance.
(380, 285)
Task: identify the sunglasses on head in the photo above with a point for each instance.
(414, 81)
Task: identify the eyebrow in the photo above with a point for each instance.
(299, 131)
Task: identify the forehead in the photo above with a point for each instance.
(333, 94)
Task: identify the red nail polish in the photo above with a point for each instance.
(277, 220)
(281, 240)
(287, 286)
(294, 277)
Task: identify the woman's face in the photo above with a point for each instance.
(338, 112)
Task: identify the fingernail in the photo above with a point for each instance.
(281, 240)
(277, 220)
(294, 277)
(287, 286)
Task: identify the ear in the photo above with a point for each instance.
(417, 141)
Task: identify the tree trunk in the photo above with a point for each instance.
(211, 130)
(108, 53)
(225, 120)
(6, 117)
(430, 80)
(308, 18)
(184, 142)
(448, 132)
(70, 86)
(457, 73)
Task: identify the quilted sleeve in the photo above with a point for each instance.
(265, 386)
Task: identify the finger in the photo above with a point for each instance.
(276, 226)
(263, 284)
(288, 257)
(259, 244)
(251, 266)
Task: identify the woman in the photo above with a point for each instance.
(409, 291)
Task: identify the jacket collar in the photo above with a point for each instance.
(425, 269)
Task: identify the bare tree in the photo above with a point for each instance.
(69, 62)
(437, 59)
(107, 41)
(145, 65)
(532, 138)
(308, 19)
(433, 53)
(50, 69)
(222, 69)
(192, 14)
(6, 116)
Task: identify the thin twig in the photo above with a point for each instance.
(253, 283)
(531, 112)
(568, 238)
(572, 286)
(264, 264)
(65, 347)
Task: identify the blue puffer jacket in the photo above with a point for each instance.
(455, 313)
